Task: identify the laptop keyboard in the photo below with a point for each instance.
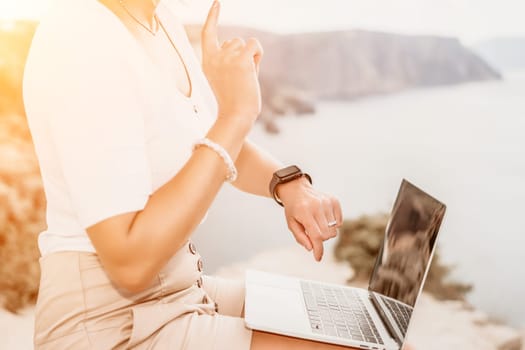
(338, 312)
(400, 312)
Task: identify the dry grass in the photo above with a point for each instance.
(22, 215)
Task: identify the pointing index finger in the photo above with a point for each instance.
(210, 37)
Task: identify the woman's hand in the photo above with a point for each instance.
(312, 216)
(232, 71)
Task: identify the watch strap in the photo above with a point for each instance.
(276, 180)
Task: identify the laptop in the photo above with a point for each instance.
(373, 318)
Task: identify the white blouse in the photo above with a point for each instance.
(109, 128)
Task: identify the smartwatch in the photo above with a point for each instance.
(283, 176)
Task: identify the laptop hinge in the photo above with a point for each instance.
(386, 321)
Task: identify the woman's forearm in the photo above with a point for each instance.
(174, 211)
(256, 168)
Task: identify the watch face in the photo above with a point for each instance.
(286, 172)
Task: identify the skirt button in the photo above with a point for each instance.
(193, 250)
(200, 265)
(199, 282)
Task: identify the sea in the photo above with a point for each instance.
(464, 144)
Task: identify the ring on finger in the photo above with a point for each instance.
(332, 223)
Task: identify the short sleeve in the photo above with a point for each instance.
(96, 122)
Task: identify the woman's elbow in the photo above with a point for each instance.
(132, 279)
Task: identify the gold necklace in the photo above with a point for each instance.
(139, 22)
(183, 63)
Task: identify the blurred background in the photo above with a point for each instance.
(360, 93)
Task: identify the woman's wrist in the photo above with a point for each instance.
(221, 152)
(237, 125)
(238, 120)
(230, 135)
(287, 191)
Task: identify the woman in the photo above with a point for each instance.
(134, 141)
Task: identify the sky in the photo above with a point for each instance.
(470, 20)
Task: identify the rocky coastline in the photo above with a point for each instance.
(300, 69)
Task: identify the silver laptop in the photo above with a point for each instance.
(377, 318)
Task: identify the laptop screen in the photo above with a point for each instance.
(406, 251)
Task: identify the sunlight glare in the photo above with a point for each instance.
(21, 9)
(7, 26)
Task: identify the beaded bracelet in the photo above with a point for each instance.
(232, 171)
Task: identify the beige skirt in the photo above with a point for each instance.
(78, 307)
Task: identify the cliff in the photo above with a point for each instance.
(353, 64)
(506, 54)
